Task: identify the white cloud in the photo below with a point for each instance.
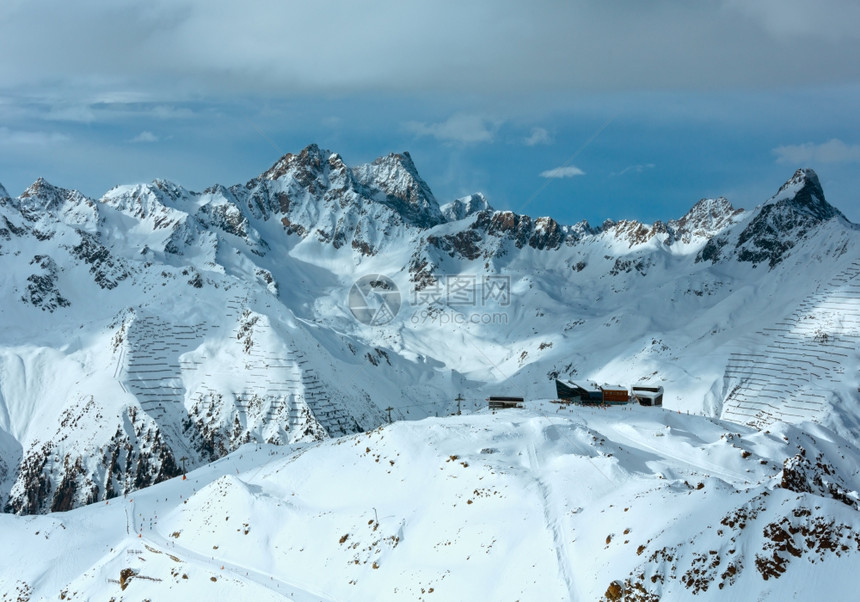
(463, 128)
(565, 171)
(634, 169)
(22, 138)
(145, 136)
(832, 151)
(73, 113)
(537, 136)
(168, 112)
(90, 108)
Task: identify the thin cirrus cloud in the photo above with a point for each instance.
(832, 151)
(634, 169)
(565, 171)
(145, 137)
(23, 138)
(462, 128)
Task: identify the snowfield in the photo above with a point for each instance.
(547, 503)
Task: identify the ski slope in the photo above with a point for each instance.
(547, 503)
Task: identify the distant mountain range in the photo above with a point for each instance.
(156, 329)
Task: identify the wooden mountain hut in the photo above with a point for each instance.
(615, 394)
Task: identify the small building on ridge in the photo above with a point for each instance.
(580, 392)
(649, 396)
(615, 394)
(498, 402)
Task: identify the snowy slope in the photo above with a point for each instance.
(157, 329)
(546, 503)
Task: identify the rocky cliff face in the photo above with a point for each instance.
(788, 217)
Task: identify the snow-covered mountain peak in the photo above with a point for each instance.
(802, 193)
(706, 218)
(391, 181)
(633, 231)
(769, 232)
(161, 201)
(793, 214)
(171, 190)
(465, 207)
(710, 210)
(309, 162)
(802, 177)
(42, 200)
(3, 193)
(43, 194)
(703, 221)
(395, 179)
(36, 187)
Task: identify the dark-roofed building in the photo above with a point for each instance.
(498, 402)
(580, 392)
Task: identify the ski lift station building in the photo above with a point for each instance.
(589, 392)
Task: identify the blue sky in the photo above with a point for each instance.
(576, 109)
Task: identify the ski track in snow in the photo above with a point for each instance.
(242, 572)
(620, 434)
(553, 523)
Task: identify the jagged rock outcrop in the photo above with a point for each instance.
(539, 233)
(107, 271)
(702, 222)
(804, 474)
(50, 479)
(42, 289)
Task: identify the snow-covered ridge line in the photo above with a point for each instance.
(157, 329)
